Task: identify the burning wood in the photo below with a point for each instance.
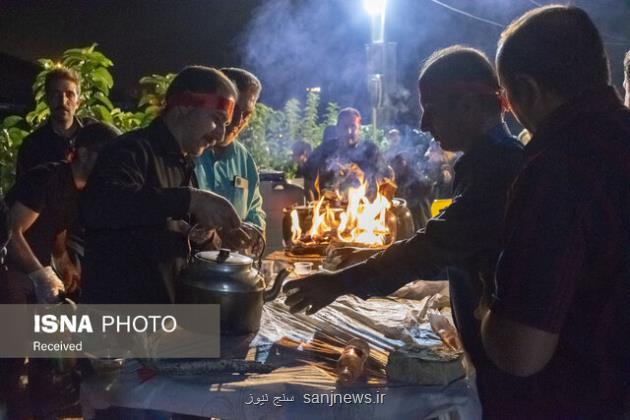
(353, 220)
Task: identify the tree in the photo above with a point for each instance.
(269, 137)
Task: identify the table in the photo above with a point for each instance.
(390, 322)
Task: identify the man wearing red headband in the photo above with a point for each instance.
(461, 109)
(140, 194)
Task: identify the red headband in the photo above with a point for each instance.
(202, 100)
(460, 87)
(467, 87)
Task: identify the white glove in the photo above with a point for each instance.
(47, 284)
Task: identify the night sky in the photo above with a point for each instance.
(289, 44)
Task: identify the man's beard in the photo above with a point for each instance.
(61, 114)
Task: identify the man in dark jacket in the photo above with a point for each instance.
(54, 140)
(43, 207)
(139, 195)
(330, 163)
(462, 110)
(559, 321)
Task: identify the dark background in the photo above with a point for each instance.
(289, 44)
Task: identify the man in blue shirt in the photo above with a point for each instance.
(228, 169)
(462, 109)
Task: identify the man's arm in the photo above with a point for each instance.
(63, 263)
(516, 348)
(117, 196)
(21, 218)
(469, 226)
(47, 284)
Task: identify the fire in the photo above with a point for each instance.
(361, 222)
(296, 231)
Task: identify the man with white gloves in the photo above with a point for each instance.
(43, 206)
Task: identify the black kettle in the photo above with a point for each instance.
(228, 279)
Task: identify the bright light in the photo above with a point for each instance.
(374, 7)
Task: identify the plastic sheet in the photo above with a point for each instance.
(386, 323)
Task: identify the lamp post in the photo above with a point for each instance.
(376, 9)
(381, 60)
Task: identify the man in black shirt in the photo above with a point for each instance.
(43, 205)
(140, 193)
(330, 163)
(54, 140)
(462, 110)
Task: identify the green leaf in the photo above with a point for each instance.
(102, 113)
(149, 99)
(46, 63)
(17, 135)
(149, 80)
(11, 121)
(99, 83)
(152, 111)
(38, 115)
(76, 52)
(104, 74)
(40, 95)
(100, 59)
(103, 100)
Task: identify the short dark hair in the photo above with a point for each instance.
(348, 111)
(95, 136)
(201, 79)
(461, 64)
(62, 73)
(300, 147)
(626, 64)
(558, 46)
(243, 79)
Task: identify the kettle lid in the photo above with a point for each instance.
(226, 258)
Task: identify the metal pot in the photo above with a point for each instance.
(399, 220)
(228, 279)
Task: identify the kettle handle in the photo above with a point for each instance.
(271, 294)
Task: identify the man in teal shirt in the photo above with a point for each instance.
(228, 168)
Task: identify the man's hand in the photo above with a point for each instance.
(249, 239)
(213, 211)
(236, 239)
(316, 291)
(199, 235)
(69, 273)
(47, 284)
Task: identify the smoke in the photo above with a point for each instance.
(293, 44)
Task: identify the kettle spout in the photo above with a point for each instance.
(271, 294)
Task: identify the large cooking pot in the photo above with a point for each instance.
(228, 279)
(399, 220)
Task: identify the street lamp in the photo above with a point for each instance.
(376, 56)
(376, 9)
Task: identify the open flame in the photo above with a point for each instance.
(361, 222)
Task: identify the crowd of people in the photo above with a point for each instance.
(536, 243)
